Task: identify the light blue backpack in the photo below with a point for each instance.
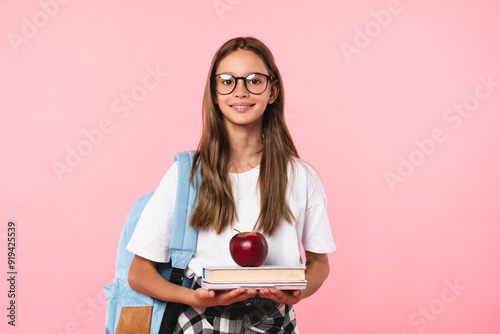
(128, 311)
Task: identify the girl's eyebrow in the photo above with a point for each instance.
(232, 73)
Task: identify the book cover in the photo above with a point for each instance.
(282, 285)
(254, 274)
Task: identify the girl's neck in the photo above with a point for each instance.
(246, 148)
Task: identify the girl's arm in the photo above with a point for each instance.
(144, 278)
(317, 270)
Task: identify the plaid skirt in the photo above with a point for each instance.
(254, 315)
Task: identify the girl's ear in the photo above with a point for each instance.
(275, 90)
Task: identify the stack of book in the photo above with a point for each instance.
(279, 277)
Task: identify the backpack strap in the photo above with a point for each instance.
(183, 237)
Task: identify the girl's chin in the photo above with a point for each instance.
(238, 121)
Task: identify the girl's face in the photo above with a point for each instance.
(242, 108)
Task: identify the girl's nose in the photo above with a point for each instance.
(240, 90)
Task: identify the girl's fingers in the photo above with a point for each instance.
(235, 292)
(298, 293)
(281, 296)
(224, 298)
(204, 293)
(239, 294)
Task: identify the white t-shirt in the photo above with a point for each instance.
(304, 195)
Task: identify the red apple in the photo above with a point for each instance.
(248, 249)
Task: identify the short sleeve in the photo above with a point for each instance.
(317, 235)
(151, 236)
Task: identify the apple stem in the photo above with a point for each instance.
(237, 231)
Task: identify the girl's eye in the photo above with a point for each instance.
(254, 81)
(226, 79)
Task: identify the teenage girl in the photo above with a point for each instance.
(251, 179)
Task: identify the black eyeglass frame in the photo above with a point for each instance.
(268, 77)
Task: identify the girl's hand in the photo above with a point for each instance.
(281, 296)
(209, 298)
(317, 269)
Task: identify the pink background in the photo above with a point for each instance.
(370, 92)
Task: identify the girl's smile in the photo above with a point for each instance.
(241, 106)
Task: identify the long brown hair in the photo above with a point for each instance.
(216, 208)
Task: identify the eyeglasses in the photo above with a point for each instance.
(255, 83)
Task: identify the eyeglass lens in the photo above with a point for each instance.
(255, 83)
